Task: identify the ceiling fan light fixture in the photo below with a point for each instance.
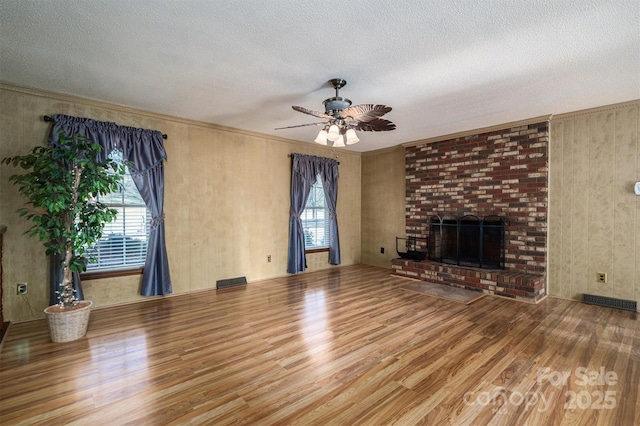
(322, 137)
(351, 137)
(334, 133)
(342, 118)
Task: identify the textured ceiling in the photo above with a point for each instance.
(444, 66)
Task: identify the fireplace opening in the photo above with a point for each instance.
(468, 241)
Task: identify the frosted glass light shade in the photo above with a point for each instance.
(322, 137)
(351, 137)
(334, 133)
(339, 141)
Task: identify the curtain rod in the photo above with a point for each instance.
(48, 119)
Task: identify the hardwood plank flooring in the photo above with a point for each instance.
(345, 346)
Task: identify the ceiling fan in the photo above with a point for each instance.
(342, 119)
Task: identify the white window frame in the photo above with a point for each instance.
(315, 219)
(129, 230)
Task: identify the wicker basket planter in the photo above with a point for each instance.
(68, 323)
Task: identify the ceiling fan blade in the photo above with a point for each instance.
(364, 112)
(312, 112)
(365, 117)
(374, 125)
(301, 125)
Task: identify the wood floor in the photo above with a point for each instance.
(345, 346)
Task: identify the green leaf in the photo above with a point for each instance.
(59, 208)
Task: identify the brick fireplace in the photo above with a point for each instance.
(500, 172)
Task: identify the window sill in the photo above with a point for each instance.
(96, 275)
(317, 250)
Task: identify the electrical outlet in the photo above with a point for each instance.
(601, 277)
(381, 250)
(268, 258)
(21, 288)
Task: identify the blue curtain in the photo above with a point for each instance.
(145, 150)
(304, 172)
(329, 175)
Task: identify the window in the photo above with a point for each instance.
(124, 241)
(315, 219)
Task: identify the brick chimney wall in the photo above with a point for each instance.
(501, 172)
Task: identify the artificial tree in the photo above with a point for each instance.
(61, 186)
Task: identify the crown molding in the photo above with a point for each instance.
(163, 117)
(382, 150)
(512, 124)
(596, 110)
(539, 119)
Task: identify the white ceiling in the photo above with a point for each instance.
(444, 66)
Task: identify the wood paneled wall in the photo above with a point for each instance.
(383, 200)
(218, 178)
(594, 215)
(227, 199)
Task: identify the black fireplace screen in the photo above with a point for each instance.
(468, 241)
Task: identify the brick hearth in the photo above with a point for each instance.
(501, 172)
(515, 284)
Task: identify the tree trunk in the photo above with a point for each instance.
(66, 290)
